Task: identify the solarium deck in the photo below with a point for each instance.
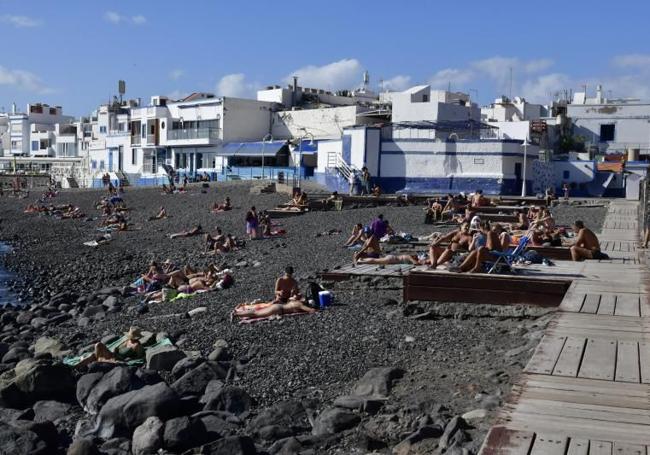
(586, 389)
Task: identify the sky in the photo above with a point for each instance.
(73, 52)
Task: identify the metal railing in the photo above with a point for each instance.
(193, 133)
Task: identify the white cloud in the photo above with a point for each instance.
(116, 18)
(542, 89)
(236, 85)
(176, 74)
(451, 76)
(397, 83)
(20, 21)
(536, 66)
(139, 19)
(23, 80)
(343, 74)
(113, 17)
(632, 61)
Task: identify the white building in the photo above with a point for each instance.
(32, 133)
(513, 118)
(611, 125)
(433, 145)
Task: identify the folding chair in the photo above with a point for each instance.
(509, 257)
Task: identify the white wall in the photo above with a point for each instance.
(245, 120)
(579, 171)
(325, 123)
(512, 130)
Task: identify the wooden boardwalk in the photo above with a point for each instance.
(586, 390)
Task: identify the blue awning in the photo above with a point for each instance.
(306, 147)
(251, 148)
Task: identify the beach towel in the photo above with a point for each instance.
(241, 313)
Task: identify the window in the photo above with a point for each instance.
(479, 161)
(93, 164)
(162, 125)
(607, 132)
(101, 164)
(425, 98)
(35, 145)
(134, 157)
(566, 175)
(144, 132)
(121, 126)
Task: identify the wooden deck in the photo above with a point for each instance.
(586, 389)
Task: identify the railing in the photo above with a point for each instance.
(151, 138)
(135, 140)
(193, 133)
(335, 161)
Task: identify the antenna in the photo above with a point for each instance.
(510, 91)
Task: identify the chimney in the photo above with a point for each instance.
(599, 94)
(294, 92)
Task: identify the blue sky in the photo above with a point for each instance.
(72, 52)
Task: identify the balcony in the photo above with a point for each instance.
(135, 140)
(193, 133)
(151, 139)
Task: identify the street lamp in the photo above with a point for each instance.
(311, 142)
(523, 185)
(264, 143)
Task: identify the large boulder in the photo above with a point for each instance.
(214, 425)
(123, 413)
(85, 385)
(334, 420)
(377, 382)
(163, 357)
(46, 381)
(234, 445)
(230, 399)
(116, 382)
(50, 410)
(83, 446)
(280, 420)
(195, 381)
(148, 437)
(51, 346)
(182, 433)
(17, 441)
(116, 446)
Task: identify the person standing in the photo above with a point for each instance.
(351, 182)
(252, 222)
(565, 189)
(365, 181)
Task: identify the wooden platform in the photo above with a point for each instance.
(586, 390)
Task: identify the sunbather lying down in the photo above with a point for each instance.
(393, 259)
(130, 349)
(258, 309)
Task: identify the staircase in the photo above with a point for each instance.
(72, 182)
(123, 179)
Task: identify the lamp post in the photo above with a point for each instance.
(263, 144)
(311, 141)
(523, 184)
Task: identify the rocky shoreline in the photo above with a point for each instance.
(366, 374)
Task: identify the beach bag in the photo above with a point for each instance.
(600, 255)
(313, 291)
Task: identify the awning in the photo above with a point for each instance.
(251, 148)
(307, 148)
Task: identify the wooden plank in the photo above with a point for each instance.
(546, 444)
(627, 305)
(590, 304)
(627, 362)
(568, 362)
(599, 360)
(622, 448)
(600, 448)
(607, 304)
(546, 355)
(578, 447)
(503, 441)
(644, 362)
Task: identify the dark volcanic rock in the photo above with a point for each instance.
(16, 441)
(125, 412)
(195, 381)
(182, 433)
(334, 420)
(50, 410)
(231, 399)
(45, 381)
(116, 382)
(377, 382)
(280, 420)
(234, 445)
(148, 436)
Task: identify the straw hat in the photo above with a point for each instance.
(133, 334)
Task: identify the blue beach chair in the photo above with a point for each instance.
(509, 257)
